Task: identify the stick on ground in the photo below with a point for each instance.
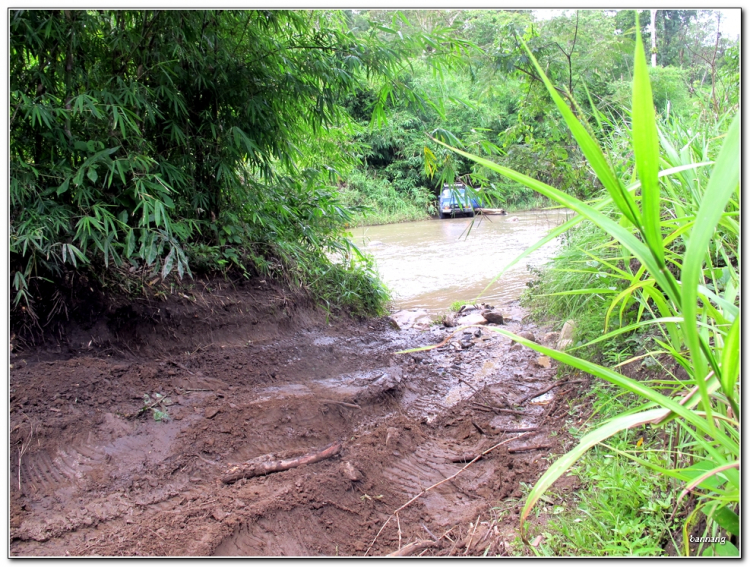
(251, 469)
(411, 548)
(527, 448)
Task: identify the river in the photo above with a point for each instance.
(430, 264)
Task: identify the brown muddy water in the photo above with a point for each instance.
(430, 264)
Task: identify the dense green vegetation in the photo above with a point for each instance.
(161, 144)
(158, 141)
(497, 107)
(657, 278)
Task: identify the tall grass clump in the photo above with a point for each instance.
(376, 200)
(678, 248)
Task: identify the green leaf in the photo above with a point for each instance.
(713, 482)
(635, 246)
(592, 151)
(563, 464)
(646, 149)
(727, 519)
(168, 263)
(64, 187)
(723, 183)
(92, 175)
(730, 359)
(728, 549)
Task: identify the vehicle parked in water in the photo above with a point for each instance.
(454, 200)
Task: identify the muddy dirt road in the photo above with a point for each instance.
(246, 374)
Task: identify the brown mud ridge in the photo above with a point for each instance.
(121, 439)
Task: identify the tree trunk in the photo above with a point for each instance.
(653, 38)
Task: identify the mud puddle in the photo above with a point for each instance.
(94, 473)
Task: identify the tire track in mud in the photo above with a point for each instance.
(114, 486)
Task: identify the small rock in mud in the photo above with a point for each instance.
(473, 319)
(566, 335)
(493, 317)
(449, 320)
(550, 338)
(407, 319)
(466, 344)
(528, 335)
(348, 470)
(543, 361)
(219, 515)
(392, 436)
(211, 412)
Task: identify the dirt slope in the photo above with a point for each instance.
(252, 373)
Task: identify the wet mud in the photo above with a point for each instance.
(118, 445)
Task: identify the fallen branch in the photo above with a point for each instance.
(250, 469)
(426, 490)
(545, 390)
(345, 404)
(413, 547)
(481, 431)
(517, 429)
(498, 410)
(528, 448)
(465, 458)
(478, 393)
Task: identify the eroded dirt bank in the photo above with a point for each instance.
(253, 373)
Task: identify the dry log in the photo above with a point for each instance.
(413, 547)
(250, 469)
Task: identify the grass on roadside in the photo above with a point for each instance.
(622, 508)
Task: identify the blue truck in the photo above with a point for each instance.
(454, 200)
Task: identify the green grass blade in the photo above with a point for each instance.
(575, 220)
(554, 233)
(646, 149)
(723, 183)
(730, 360)
(561, 465)
(622, 381)
(635, 246)
(592, 151)
(627, 329)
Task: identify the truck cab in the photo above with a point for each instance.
(453, 200)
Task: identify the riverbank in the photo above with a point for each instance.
(376, 204)
(120, 439)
